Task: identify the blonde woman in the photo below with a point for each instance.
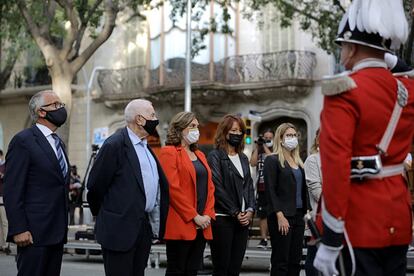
(287, 201)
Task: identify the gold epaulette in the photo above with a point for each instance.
(408, 74)
(337, 84)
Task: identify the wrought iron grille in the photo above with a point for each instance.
(242, 69)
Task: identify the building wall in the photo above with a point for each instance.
(14, 116)
(127, 47)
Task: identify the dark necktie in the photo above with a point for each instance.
(59, 151)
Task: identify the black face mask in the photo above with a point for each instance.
(235, 139)
(150, 126)
(57, 117)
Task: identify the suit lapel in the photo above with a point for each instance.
(245, 165)
(46, 147)
(233, 168)
(133, 159)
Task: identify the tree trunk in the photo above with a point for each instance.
(61, 85)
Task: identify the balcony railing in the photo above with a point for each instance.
(253, 70)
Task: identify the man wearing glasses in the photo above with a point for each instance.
(36, 185)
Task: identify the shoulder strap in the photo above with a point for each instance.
(402, 98)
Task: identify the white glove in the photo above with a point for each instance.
(77, 185)
(325, 259)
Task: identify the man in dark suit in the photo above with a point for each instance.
(127, 188)
(36, 187)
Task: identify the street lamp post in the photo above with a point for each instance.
(187, 95)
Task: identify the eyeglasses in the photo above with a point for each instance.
(291, 135)
(56, 105)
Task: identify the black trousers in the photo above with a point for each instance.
(39, 261)
(310, 257)
(132, 262)
(228, 246)
(385, 261)
(286, 249)
(184, 258)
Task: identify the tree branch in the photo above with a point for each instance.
(69, 39)
(32, 26)
(84, 24)
(7, 70)
(302, 12)
(92, 11)
(111, 12)
(338, 4)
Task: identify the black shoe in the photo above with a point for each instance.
(7, 251)
(262, 244)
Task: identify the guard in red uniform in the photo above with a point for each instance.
(367, 128)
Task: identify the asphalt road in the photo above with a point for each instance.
(76, 265)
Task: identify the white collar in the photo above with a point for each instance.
(134, 138)
(369, 63)
(44, 129)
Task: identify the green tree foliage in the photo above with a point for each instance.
(13, 39)
(321, 19)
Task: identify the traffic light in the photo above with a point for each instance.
(248, 135)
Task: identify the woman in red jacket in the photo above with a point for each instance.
(191, 196)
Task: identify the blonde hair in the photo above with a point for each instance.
(315, 145)
(278, 148)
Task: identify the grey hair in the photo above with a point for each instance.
(134, 108)
(36, 102)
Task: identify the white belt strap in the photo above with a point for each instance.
(402, 97)
(388, 171)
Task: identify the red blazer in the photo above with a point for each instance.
(377, 212)
(181, 176)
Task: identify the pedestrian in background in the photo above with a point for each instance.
(191, 196)
(264, 147)
(36, 186)
(287, 201)
(234, 197)
(4, 245)
(126, 186)
(313, 175)
(75, 193)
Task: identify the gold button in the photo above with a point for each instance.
(392, 230)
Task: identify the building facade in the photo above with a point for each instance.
(261, 71)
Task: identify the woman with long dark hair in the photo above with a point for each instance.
(234, 197)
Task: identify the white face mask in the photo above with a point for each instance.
(192, 136)
(269, 144)
(290, 143)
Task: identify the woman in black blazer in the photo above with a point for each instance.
(234, 197)
(288, 201)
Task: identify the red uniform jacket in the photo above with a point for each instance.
(181, 176)
(377, 212)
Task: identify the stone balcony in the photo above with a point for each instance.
(287, 74)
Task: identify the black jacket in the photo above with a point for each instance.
(116, 194)
(35, 191)
(280, 188)
(230, 186)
